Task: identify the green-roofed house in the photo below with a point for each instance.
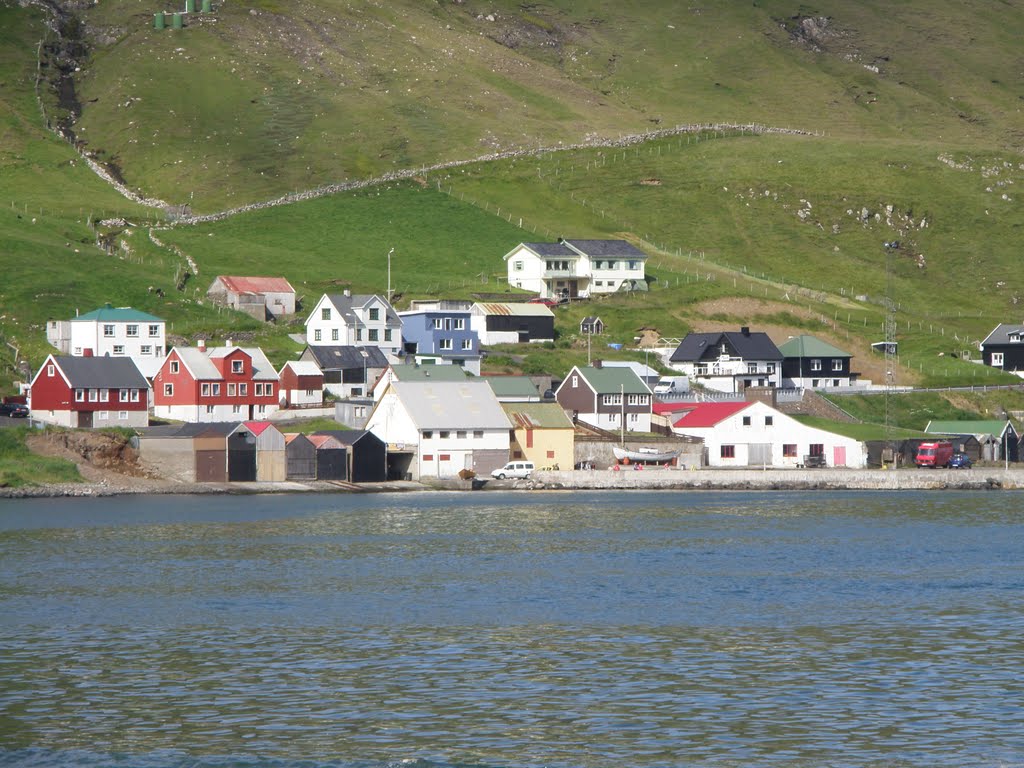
(997, 437)
(542, 433)
(811, 363)
(606, 397)
(514, 389)
(114, 332)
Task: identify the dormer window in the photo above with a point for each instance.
(375, 314)
(237, 366)
(1015, 338)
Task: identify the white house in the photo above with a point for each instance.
(443, 427)
(745, 434)
(355, 320)
(571, 268)
(114, 332)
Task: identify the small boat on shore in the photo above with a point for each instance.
(644, 454)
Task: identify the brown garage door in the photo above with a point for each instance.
(211, 467)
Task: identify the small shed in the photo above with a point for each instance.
(241, 455)
(331, 458)
(367, 455)
(300, 453)
(271, 461)
(591, 326)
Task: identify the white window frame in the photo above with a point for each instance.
(168, 390)
(131, 331)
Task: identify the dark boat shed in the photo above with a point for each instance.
(367, 454)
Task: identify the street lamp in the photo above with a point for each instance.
(389, 274)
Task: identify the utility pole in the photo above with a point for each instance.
(890, 348)
(389, 275)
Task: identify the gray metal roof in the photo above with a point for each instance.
(347, 357)
(606, 248)
(451, 404)
(1002, 332)
(345, 305)
(551, 249)
(101, 372)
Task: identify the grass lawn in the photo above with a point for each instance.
(20, 467)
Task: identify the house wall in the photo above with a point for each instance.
(52, 401)
(335, 331)
(58, 333)
(525, 270)
(607, 275)
(544, 447)
(1013, 356)
(800, 372)
(186, 401)
(446, 456)
(146, 347)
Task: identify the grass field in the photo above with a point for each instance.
(20, 467)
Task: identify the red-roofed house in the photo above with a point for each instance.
(753, 434)
(265, 298)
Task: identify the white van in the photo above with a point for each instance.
(514, 469)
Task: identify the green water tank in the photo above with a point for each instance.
(190, 6)
(176, 22)
(207, 6)
(158, 20)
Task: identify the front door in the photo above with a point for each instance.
(838, 456)
(85, 419)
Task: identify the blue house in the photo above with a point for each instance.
(441, 335)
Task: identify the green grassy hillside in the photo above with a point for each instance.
(909, 130)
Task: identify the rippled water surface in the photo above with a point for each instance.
(491, 629)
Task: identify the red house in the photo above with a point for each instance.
(90, 392)
(302, 383)
(221, 384)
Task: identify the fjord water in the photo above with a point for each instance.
(499, 629)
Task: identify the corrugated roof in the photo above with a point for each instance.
(810, 346)
(537, 415)
(257, 427)
(606, 248)
(451, 404)
(237, 284)
(614, 380)
(111, 314)
(709, 414)
(525, 309)
(101, 372)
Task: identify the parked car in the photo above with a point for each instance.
(514, 469)
(960, 461)
(14, 410)
(549, 303)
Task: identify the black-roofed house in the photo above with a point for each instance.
(1003, 348)
(729, 361)
(348, 371)
(88, 392)
(576, 268)
(347, 319)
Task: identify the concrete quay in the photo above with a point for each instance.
(979, 478)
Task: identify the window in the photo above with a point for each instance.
(79, 395)
(789, 450)
(50, 371)
(261, 409)
(236, 409)
(746, 421)
(769, 421)
(612, 399)
(209, 409)
(104, 395)
(359, 411)
(816, 449)
(243, 390)
(770, 368)
(727, 452)
(517, 454)
(334, 334)
(132, 331)
(123, 395)
(325, 313)
(232, 388)
(158, 351)
(93, 395)
(387, 334)
(146, 350)
(637, 400)
(815, 365)
(459, 323)
(317, 335)
(174, 366)
(135, 395)
(751, 367)
(357, 391)
(598, 283)
(428, 434)
(154, 331)
(997, 359)
(478, 434)
(268, 390)
(467, 344)
(575, 381)
(444, 434)
(310, 392)
(374, 313)
(517, 266)
(837, 365)
(444, 344)
(634, 265)
(428, 457)
(216, 389)
(122, 415)
(259, 390)
(102, 415)
(205, 390)
(169, 390)
(373, 334)
(551, 454)
(359, 334)
(460, 434)
(108, 331)
(118, 349)
(238, 366)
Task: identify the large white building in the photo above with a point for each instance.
(442, 427)
(571, 268)
(114, 332)
(355, 321)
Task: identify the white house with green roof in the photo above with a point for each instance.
(809, 362)
(113, 332)
(608, 398)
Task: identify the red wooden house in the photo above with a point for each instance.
(90, 392)
(302, 383)
(222, 384)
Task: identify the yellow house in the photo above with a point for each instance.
(541, 433)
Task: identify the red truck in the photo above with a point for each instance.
(934, 454)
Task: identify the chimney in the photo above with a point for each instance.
(347, 292)
(745, 330)
(229, 343)
(201, 344)
(597, 363)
